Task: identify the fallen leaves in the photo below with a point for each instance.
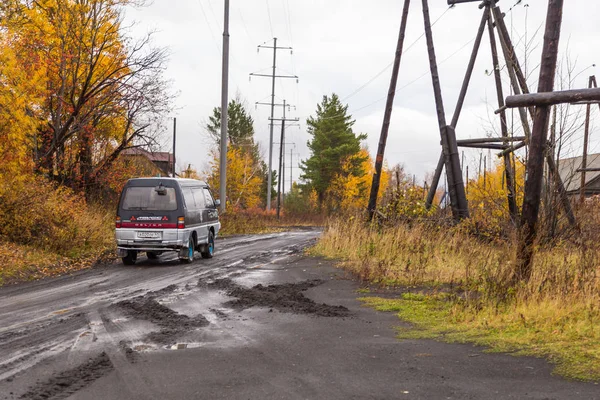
(20, 263)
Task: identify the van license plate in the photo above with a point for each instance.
(148, 235)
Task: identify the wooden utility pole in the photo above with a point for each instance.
(458, 198)
(537, 147)
(388, 114)
(459, 104)
(519, 84)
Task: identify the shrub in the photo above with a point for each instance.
(34, 211)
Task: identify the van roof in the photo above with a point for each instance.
(155, 180)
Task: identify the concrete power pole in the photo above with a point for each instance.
(272, 104)
(224, 101)
(174, 134)
(281, 153)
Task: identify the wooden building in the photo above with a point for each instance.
(567, 168)
(148, 163)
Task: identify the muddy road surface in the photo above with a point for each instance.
(258, 321)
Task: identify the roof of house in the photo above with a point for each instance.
(567, 169)
(157, 156)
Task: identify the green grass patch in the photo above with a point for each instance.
(570, 341)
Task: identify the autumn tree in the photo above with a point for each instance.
(487, 195)
(335, 150)
(102, 91)
(403, 198)
(246, 171)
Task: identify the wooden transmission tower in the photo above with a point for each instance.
(493, 19)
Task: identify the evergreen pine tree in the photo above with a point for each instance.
(333, 143)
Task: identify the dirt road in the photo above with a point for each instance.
(258, 321)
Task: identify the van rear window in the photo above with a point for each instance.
(147, 198)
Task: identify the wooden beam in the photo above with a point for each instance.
(388, 113)
(508, 170)
(458, 198)
(512, 66)
(492, 146)
(586, 135)
(512, 148)
(588, 170)
(471, 65)
(490, 140)
(551, 98)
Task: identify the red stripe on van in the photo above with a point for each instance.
(126, 224)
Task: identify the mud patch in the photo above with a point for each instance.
(166, 290)
(286, 297)
(68, 382)
(41, 332)
(130, 354)
(171, 322)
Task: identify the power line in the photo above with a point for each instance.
(413, 81)
(209, 27)
(390, 64)
(286, 10)
(244, 25)
(269, 14)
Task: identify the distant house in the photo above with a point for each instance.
(149, 163)
(567, 169)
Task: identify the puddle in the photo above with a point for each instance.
(183, 346)
(143, 347)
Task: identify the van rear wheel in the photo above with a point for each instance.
(130, 258)
(208, 249)
(190, 253)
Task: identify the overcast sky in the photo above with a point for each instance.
(339, 46)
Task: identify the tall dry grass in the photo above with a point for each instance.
(555, 314)
(250, 221)
(431, 255)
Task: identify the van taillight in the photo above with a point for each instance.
(180, 223)
(118, 222)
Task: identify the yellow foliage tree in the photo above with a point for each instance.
(244, 179)
(349, 192)
(487, 196)
(75, 90)
(21, 92)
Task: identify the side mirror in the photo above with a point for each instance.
(217, 203)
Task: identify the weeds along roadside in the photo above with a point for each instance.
(49, 230)
(452, 286)
(254, 221)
